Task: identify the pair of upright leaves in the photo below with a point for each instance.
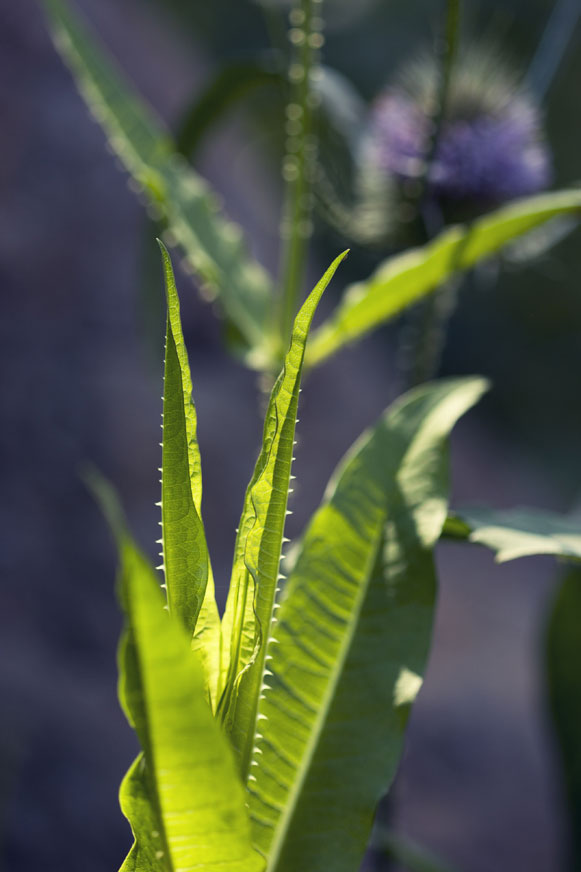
(267, 741)
(214, 247)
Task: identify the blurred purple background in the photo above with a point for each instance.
(81, 382)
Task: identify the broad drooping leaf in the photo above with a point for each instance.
(182, 796)
(518, 532)
(564, 693)
(257, 553)
(213, 246)
(188, 573)
(404, 279)
(348, 651)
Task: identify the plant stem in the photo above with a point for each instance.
(446, 51)
(428, 333)
(299, 162)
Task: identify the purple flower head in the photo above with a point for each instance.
(490, 147)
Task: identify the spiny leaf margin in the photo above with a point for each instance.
(186, 562)
(348, 651)
(255, 572)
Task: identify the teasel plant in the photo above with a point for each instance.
(257, 308)
(269, 734)
(456, 133)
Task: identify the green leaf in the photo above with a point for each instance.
(147, 853)
(519, 532)
(186, 782)
(564, 691)
(213, 246)
(188, 574)
(404, 279)
(348, 651)
(182, 796)
(260, 536)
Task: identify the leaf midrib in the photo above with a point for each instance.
(320, 722)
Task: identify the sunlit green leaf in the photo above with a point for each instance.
(348, 651)
(258, 544)
(519, 532)
(213, 246)
(147, 853)
(189, 772)
(182, 796)
(564, 690)
(188, 574)
(404, 279)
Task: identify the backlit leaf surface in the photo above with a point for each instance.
(186, 783)
(257, 552)
(348, 652)
(188, 573)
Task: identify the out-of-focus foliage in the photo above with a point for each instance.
(214, 246)
(564, 696)
(520, 532)
(406, 278)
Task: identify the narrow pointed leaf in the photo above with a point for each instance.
(564, 697)
(349, 650)
(188, 574)
(519, 532)
(404, 279)
(175, 333)
(182, 796)
(186, 780)
(259, 541)
(213, 246)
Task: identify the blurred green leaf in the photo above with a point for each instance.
(349, 648)
(182, 795)
(404, 279)
(188, 573)
(564, 690)
(213, 246)
(255, 571)
(519, 532)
